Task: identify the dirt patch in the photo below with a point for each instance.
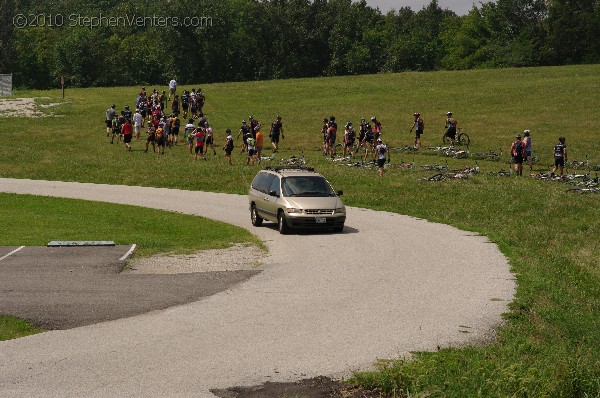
(318, 387)
(235, 258)
(24, 107)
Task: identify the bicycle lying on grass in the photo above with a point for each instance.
(450, 151)
(501, 173)
(460, 174)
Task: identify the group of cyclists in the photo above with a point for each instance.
(367, 142)
(163, 130)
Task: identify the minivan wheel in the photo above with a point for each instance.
(256, 219)
(282, 223)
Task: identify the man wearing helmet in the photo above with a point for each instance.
(276, 130)
(349, 138)
(382, 153)
(451, 127)
(246, 133)
(419, 127)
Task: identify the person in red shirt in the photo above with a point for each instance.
(200, 135)
(127, 131)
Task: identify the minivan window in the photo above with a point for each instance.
(263, 181)
(275, 187)
(306, 186)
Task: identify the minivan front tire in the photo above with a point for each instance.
(254, 217)
(282, 223)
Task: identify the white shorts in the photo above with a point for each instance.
(137, 127)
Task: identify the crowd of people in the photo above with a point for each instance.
(367, 143)
(163, 129)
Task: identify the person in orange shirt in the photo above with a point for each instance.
(259, 145)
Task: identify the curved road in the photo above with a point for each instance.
(326, 304)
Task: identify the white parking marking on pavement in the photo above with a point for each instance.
(128, 252)
(12, 252)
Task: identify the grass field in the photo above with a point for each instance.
(550, 343)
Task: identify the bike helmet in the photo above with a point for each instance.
(379, 140)
(417, 114)
(449, 114)
(243, 122)
(228, 131)
(373, 118)
(518, 136)
(526, 133)
(325, 120)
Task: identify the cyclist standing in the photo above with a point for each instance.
(276, 130)
(110, 115)
(185, 103)
(228, 148)
(451, 127)
(527, 143)
(382, 153)
(376, 125)
(560, 155)
(517, 150)
(189, 134)
(419, 127)
(349, 138)
(245, 132)
(324, 133)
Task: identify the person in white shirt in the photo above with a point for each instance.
(137, 124)
(172, 88)
(382, 154)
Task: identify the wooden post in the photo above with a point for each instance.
(62, 84)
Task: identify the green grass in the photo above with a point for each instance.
(13, 328)
(550, 342)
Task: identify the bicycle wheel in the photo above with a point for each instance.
(463, 138)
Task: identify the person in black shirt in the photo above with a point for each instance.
(560, 155)
(276, 130)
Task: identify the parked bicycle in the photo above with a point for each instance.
(461, 138)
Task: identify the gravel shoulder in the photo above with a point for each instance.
(323, 306)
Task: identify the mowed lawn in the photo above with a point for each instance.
(550, 342)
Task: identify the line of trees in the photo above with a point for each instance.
(271, 39)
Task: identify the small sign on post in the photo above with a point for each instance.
(62, 84)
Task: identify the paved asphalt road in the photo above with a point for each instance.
(325, 304)
(66, 287)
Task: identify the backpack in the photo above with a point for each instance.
(518, 149)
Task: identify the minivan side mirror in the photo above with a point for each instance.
(273, 193)
(340, 193)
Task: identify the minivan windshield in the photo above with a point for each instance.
(306, 186)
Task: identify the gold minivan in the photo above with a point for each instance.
(295, 198)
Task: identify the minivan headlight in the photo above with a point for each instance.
(340, 210)
(293, 210)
